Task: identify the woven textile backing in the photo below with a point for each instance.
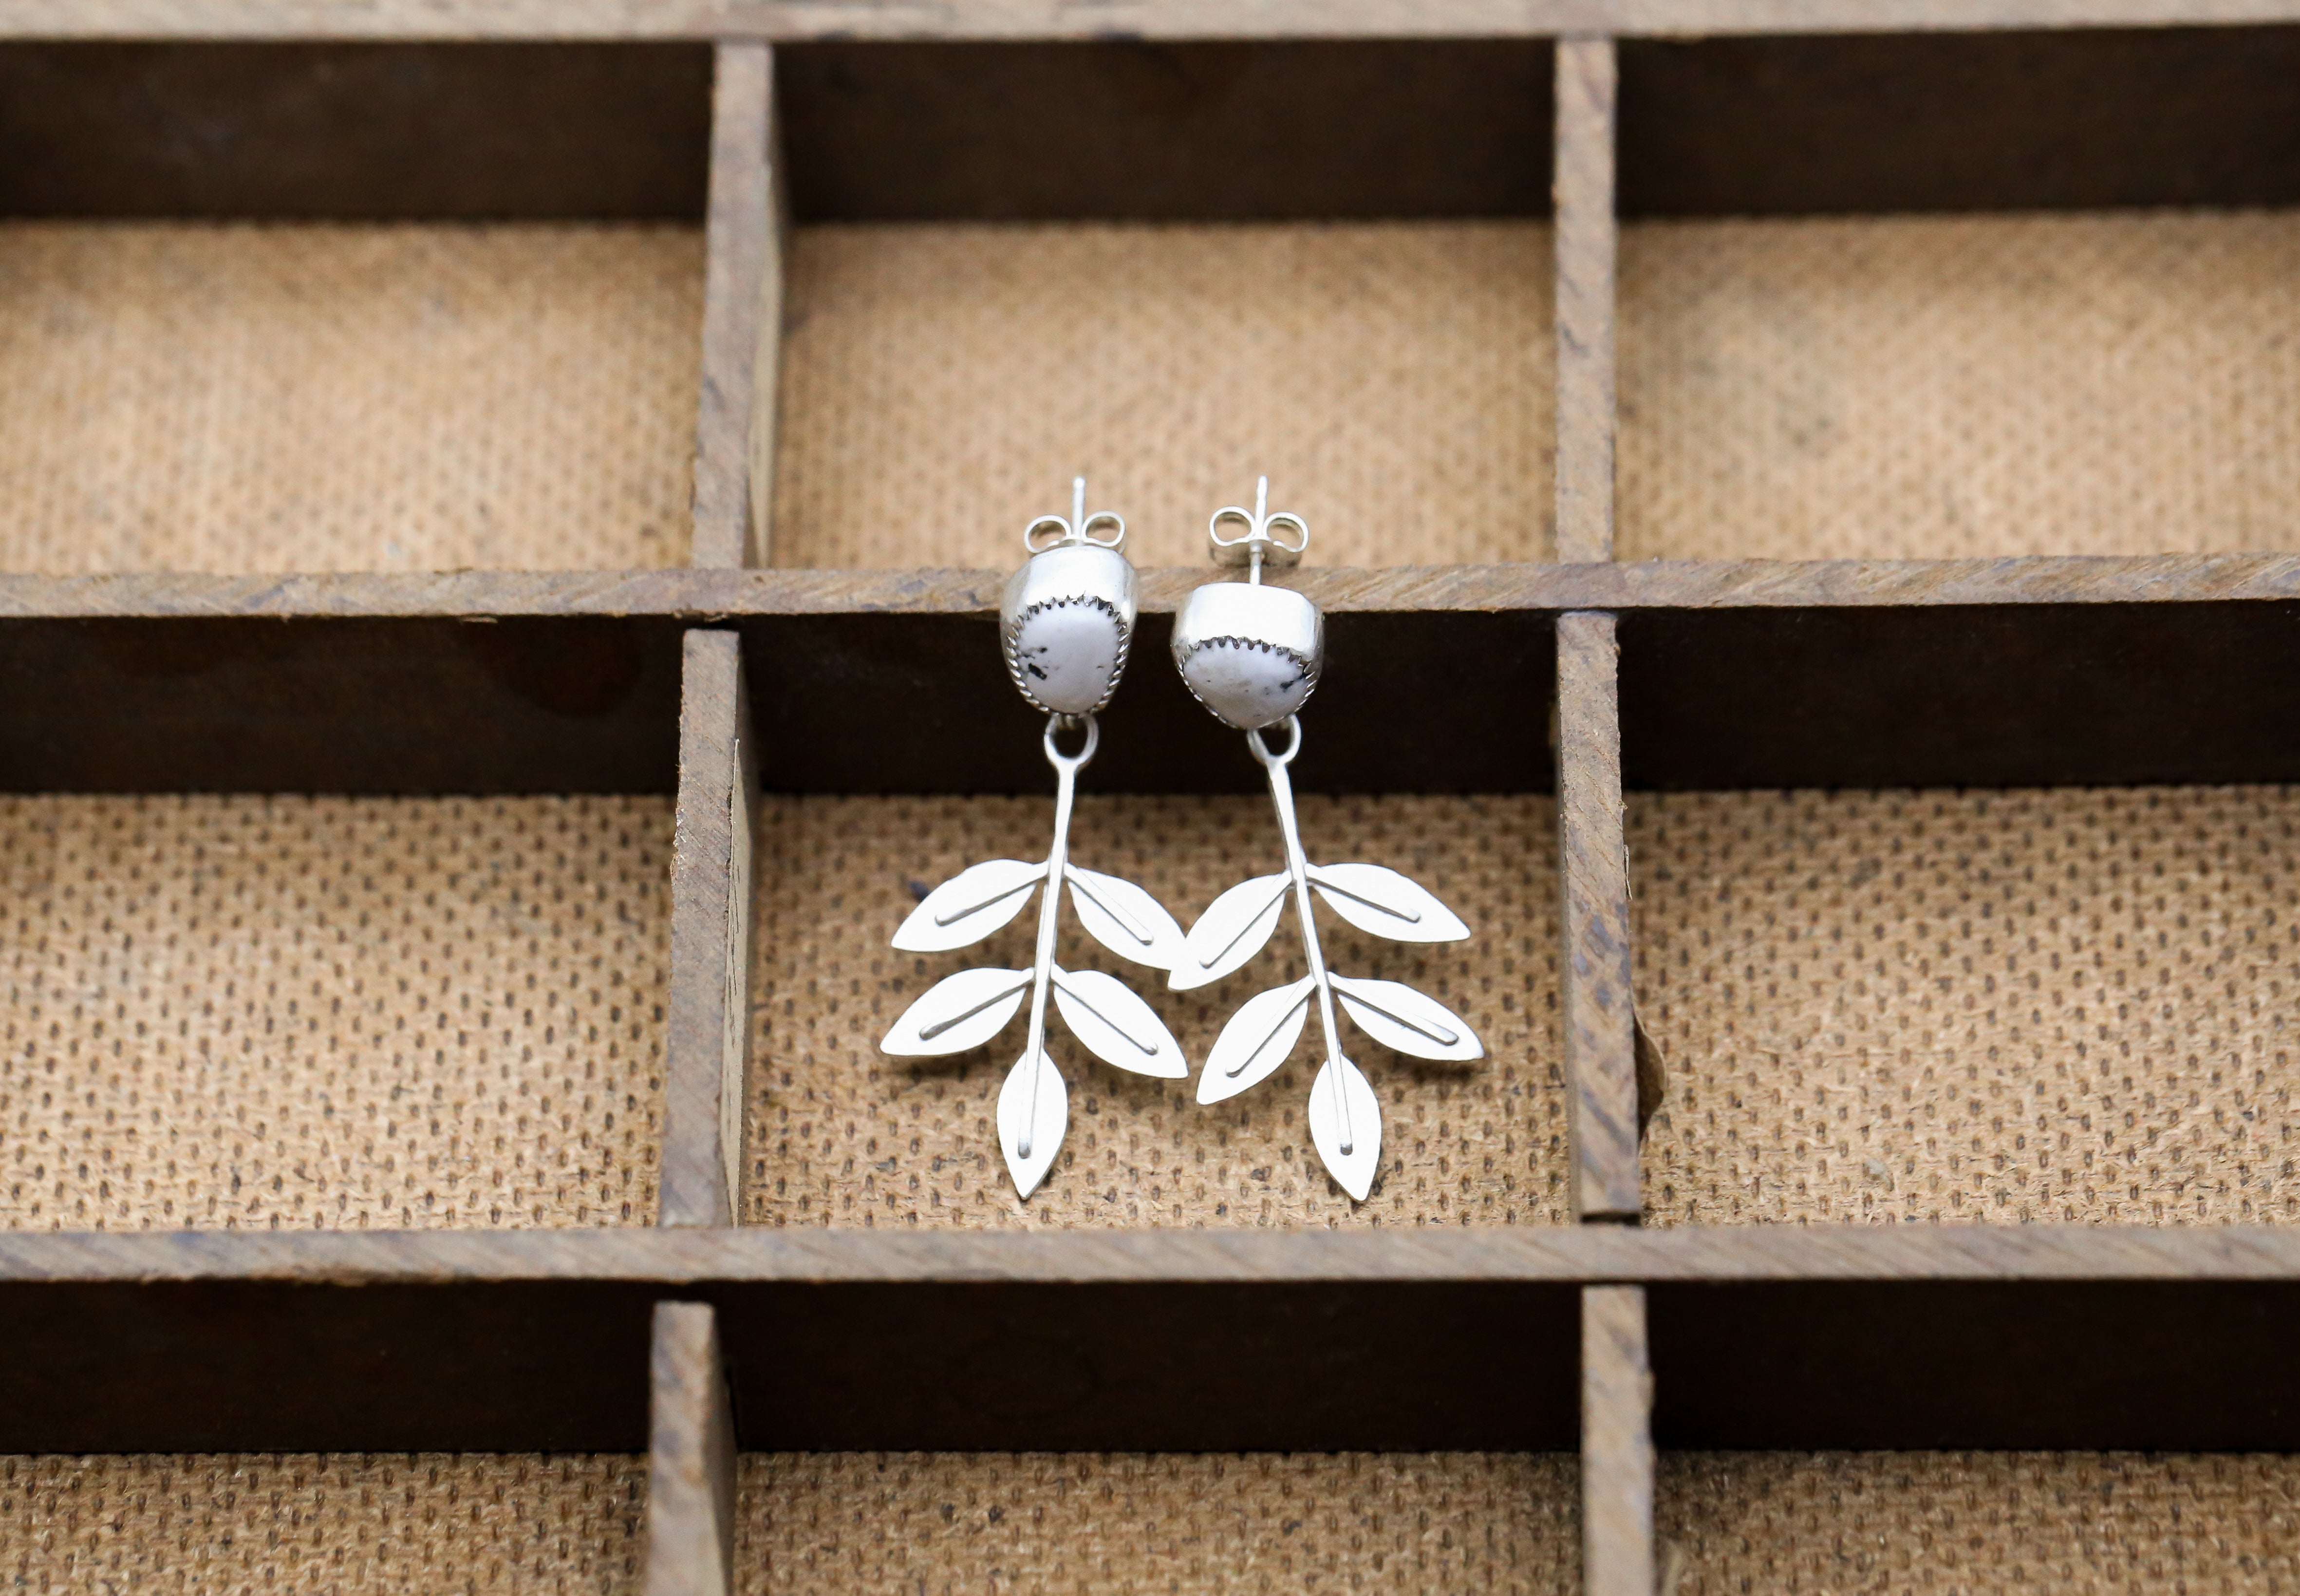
(1930, 1524)
(842, 1135)
(1932, 388)
(344, 1013)
(851, 1523)
(943, 384)
(346, 398)
(415, 397)
(1892, 1523)
(2060, 1005)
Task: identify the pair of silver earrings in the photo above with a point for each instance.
(1251, 654)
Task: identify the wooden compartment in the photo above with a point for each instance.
(942, 383)
(841, 1135)
(318, 304)
(358, 1014)
(357, 308)
(2038, 308)
(2056, 1004)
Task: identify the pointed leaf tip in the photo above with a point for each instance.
(1032, 1124)
(1259, 1038)
(1345, 1126)
(1116, 1025)
(1235, 927)
(1397, 1016)
(1124, 918)
(969, 907)
(1378, 899)
(958, 1012)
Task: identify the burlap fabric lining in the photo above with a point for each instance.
(943, 384)
(1916, 1524)
(346, 398)
(841, 1135)
(341, 1013)
(896, 1525)
(2059, 1005)
(1928, 388)
(843, 1523)
(411, 398)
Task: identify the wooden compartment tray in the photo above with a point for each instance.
(1443, 262)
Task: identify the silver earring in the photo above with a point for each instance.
(1066, 628)
(1251, 654)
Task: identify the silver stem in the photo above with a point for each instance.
(1281, 794)
(1042, 973)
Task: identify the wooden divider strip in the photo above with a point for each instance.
(707, 1046)
(690, 1517)
(1587, 242)
(1594, 885)
(1617, 1453)
(742, 314)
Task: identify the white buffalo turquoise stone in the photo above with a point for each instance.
(1066, 654)
(1250, 685)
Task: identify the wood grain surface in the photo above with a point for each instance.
(1617, 1449)
(691, 1514)
(1594, 899)
(1587, 241)
(1430, 1339)
(1076, 19)
(708, 1036)
(742, 314)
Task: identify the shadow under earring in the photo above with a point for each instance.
(1066, 628)
(1251, 654)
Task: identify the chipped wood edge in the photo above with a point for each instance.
(1588, 242)
(690, 1511)
(742, 314)
(1601, 1070)
(1617, 1450)
(707, 1043)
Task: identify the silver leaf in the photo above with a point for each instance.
(1375, 898)
(1117, 1027)
(1124, 918)
(1233, 930)
(1031, 1122)
(1259, 1038)
(1350, 1142)
(1397, 1016)
(958, 1012)
(969, 905)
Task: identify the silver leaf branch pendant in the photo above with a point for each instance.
(1345, 1114)
(1103, 1012)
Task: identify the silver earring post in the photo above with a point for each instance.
(1251, 654)
(1066, 628)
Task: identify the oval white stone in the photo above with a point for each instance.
(1249, 685)
(1066, 654)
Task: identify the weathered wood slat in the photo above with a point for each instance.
(1693, 1255)
(1908, 1336)
(690, 1522)
(1593, 878)
(707, 1041)
(742, 314)
(1617, 1452)
(1984, 674)
(706, 597)
(1587, 242)
(790, 19)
